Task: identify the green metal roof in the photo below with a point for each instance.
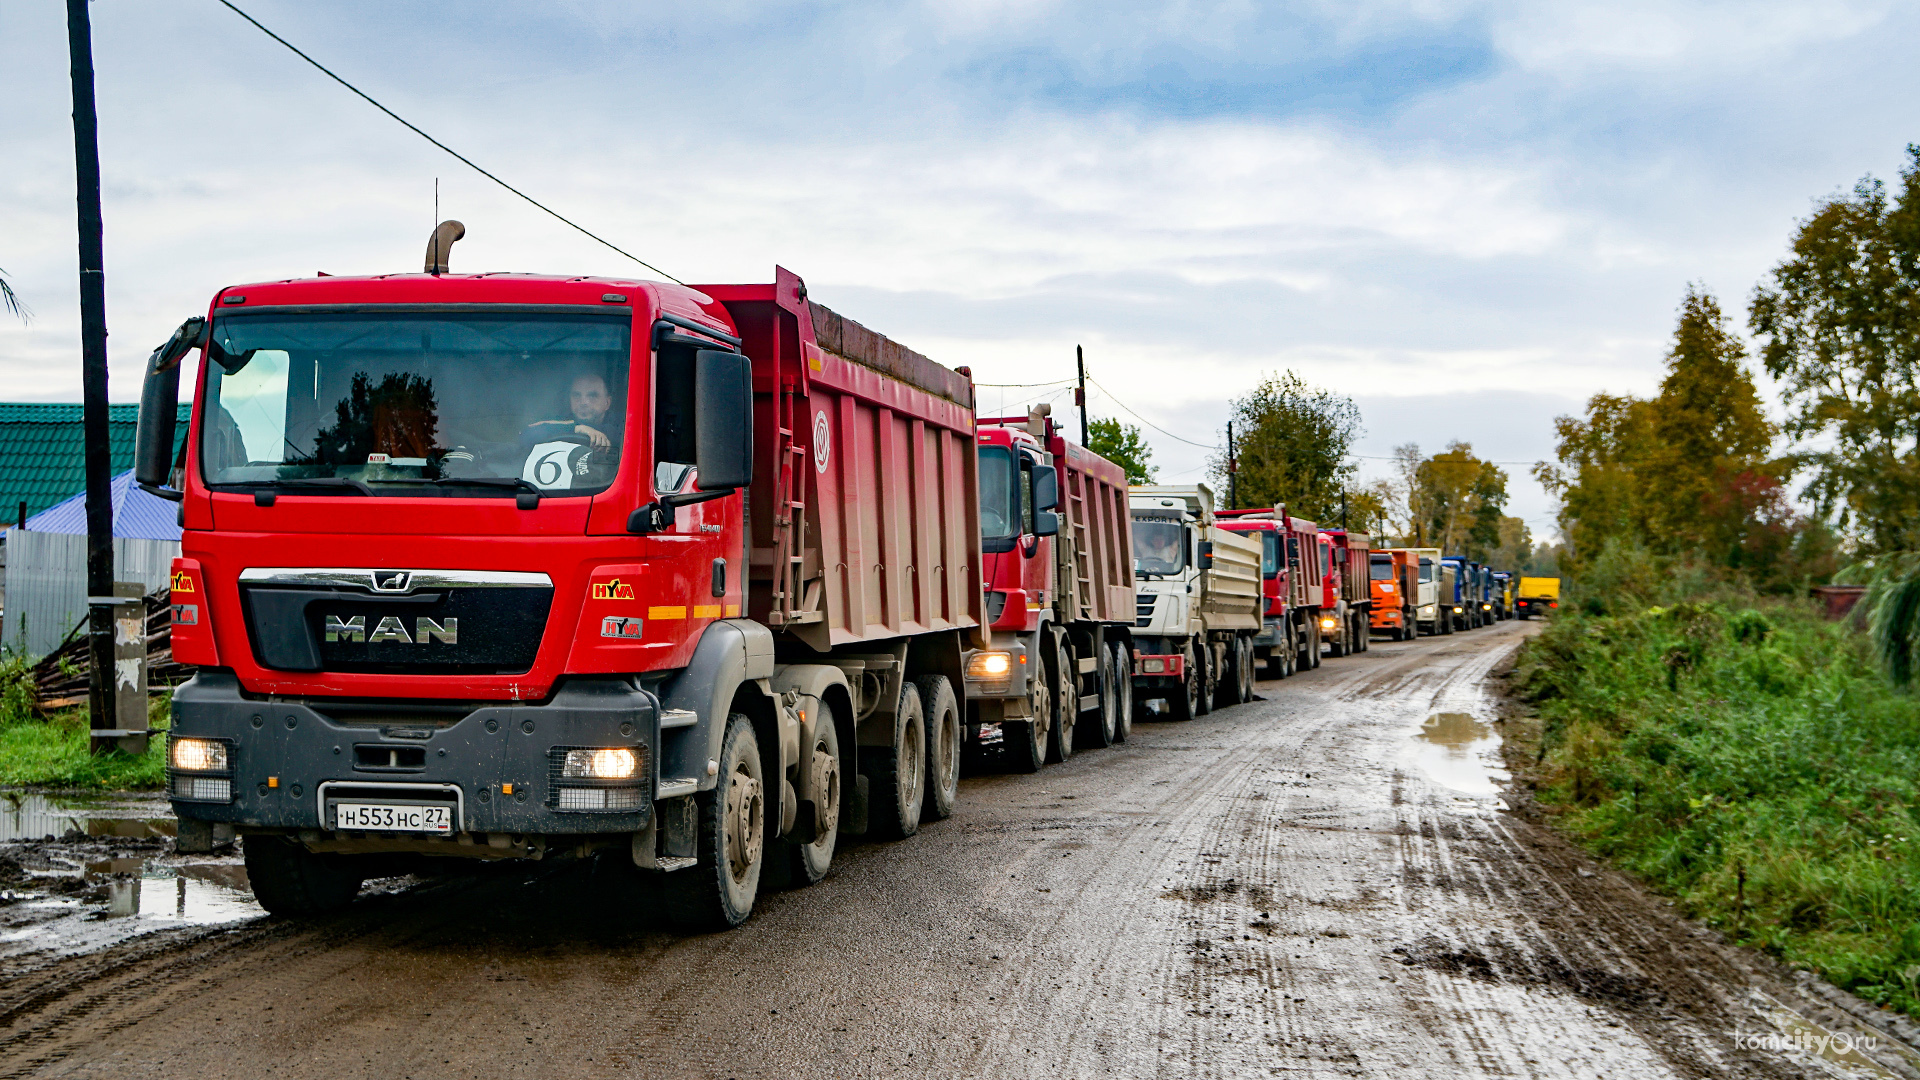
(43, 453)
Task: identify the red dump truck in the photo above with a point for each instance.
(1289, 638)
(1346, 620)
(515, 567)
(1056, 537)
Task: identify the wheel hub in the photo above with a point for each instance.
(745, 810)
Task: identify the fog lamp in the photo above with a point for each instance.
(614, 764)
(199, 755)
(1456, 611)
(989, 665)
(1153, 667)
(1327, 623)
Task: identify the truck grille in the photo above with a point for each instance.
(395, 622)
(1143, 605)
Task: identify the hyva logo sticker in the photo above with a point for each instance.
(820, 444)
(612, 590)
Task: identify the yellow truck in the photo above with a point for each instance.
(1538, 596)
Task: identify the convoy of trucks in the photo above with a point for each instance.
(699, 577)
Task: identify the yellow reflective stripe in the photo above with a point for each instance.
(706, 611)
(667, 613)
(733, 611)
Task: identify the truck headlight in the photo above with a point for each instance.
(990, 666)
(199, 755)
(613, 764)
(1153, 667)
(1328, 622)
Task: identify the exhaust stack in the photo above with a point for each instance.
(440, 243)
(1037, 421)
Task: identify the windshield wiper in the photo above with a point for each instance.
(511, 483)
(337, 482)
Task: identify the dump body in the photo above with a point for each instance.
(1346, 623)
(1292, 586)
(1057, 540)
(459, 531)
(1200, 598)
(1538, 596)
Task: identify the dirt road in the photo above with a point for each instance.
(1322, 883)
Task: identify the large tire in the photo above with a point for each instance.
(1066, 694)
(1313, 645)
(944, 739)
(1274, 668)
(1185, 705)
(1123, 691)
(897, 774)
(1097, 728)
(1227, 686)
(1246, 670)
(292, 882)
(718, 892)
(798, 864)
(1209, 677)
(1026, 740)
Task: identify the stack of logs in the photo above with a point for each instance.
(60, 678)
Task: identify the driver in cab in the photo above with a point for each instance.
(590, 403)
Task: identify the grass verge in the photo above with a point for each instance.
(52, 751)
(1742, 755)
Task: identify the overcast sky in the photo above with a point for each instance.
(1467, 216)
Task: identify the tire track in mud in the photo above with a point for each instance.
(1275, 889)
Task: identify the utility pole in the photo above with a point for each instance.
(93, 374)
(1080, 394)
(1233, 472)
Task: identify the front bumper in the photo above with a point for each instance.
(496, 765)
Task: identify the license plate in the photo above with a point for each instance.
(393, 817)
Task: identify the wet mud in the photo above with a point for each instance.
(1326, 882)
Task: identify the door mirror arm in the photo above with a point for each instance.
(658, 516)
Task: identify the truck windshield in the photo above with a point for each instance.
(1269, 554)
(999, 499)
(390, 402)
(1381, 569)
(1426, 569)
(1158, 546)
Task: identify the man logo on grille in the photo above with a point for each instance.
(391, 580)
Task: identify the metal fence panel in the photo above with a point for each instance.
(47, 583)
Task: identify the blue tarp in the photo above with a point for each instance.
(136, 514)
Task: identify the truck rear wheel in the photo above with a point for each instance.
(943, 745)
(1066, 703)
(1098, 728)
(804, 862)
(718, 892)
(1122, 692)
(899, 774)
(292, 882)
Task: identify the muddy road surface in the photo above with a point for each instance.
(1322, 883)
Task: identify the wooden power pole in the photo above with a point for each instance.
(93, 374)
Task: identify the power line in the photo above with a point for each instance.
(1144, 420)
(457, 154)
(1022, 385)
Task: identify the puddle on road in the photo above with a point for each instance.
(1460, 752)
(83, 873)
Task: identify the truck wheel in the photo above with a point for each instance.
(1122, 692)
(943, 746)
(1275, 667)
(1246, 671)
(1209, 678)
(292, 882)
(1026, 740)
(800, 864)
(1097, 727)
(1185, 705)
(1066, 703)
(1313, 645)
(718, 892)
(1363, 630)
(898, 780)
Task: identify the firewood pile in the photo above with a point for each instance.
(60, 678)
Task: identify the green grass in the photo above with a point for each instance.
(1744, 756)
(52, 751)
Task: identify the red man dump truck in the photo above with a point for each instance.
(503, 566)
(1059, 576)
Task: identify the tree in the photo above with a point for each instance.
(1458, 499)
(1602, 462)
(1122, 444)
(1292, 447)
(1515, 550)
(1841, 319)
(11, 300)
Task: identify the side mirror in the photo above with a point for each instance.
(1046, 489)
(1046, 523)
(160, 409)
(1206, 555)
(723, 419)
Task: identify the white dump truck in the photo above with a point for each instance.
(1198, 596)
